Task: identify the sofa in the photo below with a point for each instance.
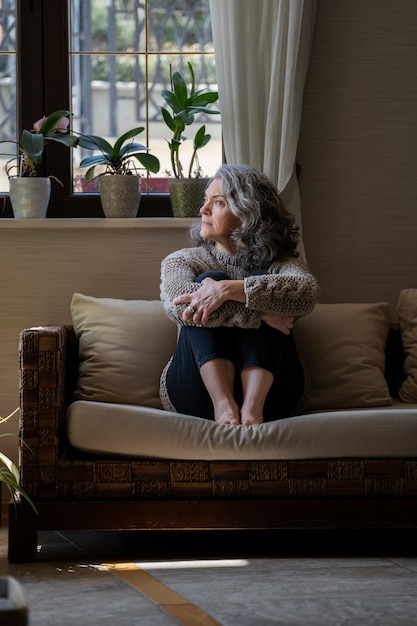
(98, 452)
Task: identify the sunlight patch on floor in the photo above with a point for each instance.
(193, 564)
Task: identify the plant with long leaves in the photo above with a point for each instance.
(185, 104)
(9, 472)
(118, 158)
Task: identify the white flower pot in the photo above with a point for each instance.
(29, 196)
(120, 195)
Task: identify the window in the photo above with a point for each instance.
(106, 61)
(7, 82)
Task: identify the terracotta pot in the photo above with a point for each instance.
(29, 196)
(120, 195)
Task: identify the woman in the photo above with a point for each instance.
(235, 295)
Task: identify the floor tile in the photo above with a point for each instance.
(231, 579)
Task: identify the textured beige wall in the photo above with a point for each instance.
(358, 150)
(43, 262)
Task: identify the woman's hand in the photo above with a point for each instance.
(208, 298)
(284, 323)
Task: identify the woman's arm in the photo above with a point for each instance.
(213, 294)
(210, 296)
(179, 289)
(289, 289)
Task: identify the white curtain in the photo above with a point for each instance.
(262, 49)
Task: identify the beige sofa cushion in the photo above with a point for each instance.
(128, 430)
(407, 317)
(343, 349)
(124, 346)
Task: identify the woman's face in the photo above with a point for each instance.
(217, 219)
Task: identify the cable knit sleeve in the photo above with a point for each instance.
(289, 288)
(178, 273)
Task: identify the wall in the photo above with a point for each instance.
(358, 150)
(43, 262)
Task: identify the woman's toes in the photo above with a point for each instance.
(251, 421)
(228, 419)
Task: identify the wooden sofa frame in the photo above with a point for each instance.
(74, 491)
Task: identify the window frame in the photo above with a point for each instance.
(45, 86)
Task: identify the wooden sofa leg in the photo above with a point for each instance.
(23, 533)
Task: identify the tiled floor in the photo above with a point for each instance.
(235, 579)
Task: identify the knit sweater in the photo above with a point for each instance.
(288, 288)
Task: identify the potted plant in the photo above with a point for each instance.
(29, 193)
(120, 176)
(9, 472)
(187, 188)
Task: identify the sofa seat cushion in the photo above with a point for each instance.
(137, 431)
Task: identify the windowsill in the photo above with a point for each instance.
(93, 223)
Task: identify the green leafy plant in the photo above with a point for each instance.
(118, 158)
(33, 142)
(185, 103)
(9, 472)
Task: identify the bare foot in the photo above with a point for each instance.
(227, 418)
(226, 411)
(252, 420)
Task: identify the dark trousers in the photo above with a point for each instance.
(263, 347)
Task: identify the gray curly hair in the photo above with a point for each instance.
(267, 231)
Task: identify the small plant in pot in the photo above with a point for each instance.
(187, 188)
(120, 170)
(9, 472)
(30, 193)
